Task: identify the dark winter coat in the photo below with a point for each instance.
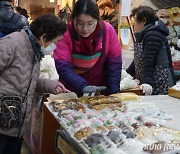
(7, 12)
(155, 52)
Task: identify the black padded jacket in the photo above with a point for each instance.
(7, 12)
(153, 37)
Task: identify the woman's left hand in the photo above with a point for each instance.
(61, 89)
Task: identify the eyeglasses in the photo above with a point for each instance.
(89, 26)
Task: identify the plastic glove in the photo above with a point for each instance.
(147, 89)
(91, 89)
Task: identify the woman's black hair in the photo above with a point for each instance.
(18, 9)
(88, 7)
(24, 13)
(48, 24)
(145, 12)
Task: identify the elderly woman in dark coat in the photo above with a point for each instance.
(152, 64)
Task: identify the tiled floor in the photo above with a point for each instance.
(25, 149)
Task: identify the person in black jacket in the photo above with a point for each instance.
(152, 64)
(21, 11)
(7, 15)
(109, 13)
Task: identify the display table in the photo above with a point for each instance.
(165, 103)
(169, 105)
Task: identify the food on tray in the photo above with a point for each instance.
(111, 127)
(143, 132)
(121, 124)
(84, 99)
(115, 136)
(62, 96)
(171, 17)
(74, 104)
(174, 13)
(135, 125)
(101, 129)
(126, 96)
(122, 144)
(176, 87)
(146, 121)
(128, 132)
(82, 133)
(175, 90)
(116, 106)
(118, 138)
(159, 133)
(74, 120)
(95, 122)
(101, 102)
(132, 122)
(108, 123)
(161, 147)
(97, 150)
(97, 100)
(94, 139)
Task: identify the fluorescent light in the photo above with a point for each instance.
(51, 1)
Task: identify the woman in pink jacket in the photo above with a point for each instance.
(89, 54)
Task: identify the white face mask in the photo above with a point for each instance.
(49, 49)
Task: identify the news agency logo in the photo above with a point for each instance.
(164, 146)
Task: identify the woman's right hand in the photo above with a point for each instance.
(61, 89)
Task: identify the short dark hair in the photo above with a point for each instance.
(48, 24)
(24, 13)
(147, 12)
(88, 7)
(18, 9)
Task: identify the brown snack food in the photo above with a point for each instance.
(84, 99)
(101, 129)
(128, 96)
(74, 104)
(111, 127)
(116, 106)
(97, 100)
(82, 133)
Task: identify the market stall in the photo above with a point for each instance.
(136, 125)
(43, 137)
